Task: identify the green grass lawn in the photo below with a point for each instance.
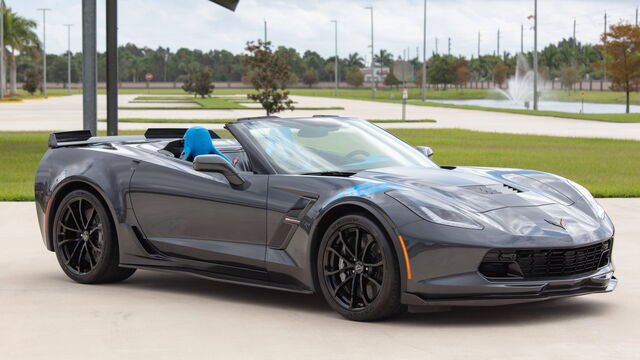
(209, 103)
(608, 168)
(612, 97)
(606, 97)
(224, 121)
(395, 95)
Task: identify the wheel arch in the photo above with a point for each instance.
(63, 189)
(346, 207)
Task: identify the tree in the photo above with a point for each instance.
(384, 57)
(462, 72)
(569, 76)
(32, 81)
(355, 59)
(310, 77)
(355, 77)
(500, 74)
(622, 48)
(269, 76)
(19, 35)
(391, 80)
(293, 79)
(202, 83)
(187, 84)
(441, 70)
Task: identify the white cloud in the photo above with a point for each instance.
(306, 24)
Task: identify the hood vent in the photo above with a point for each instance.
(492, 189)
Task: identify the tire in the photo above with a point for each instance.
(364, 289)
(85, 241)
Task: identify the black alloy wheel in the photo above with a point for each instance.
(84, 240)
(357, 270)
(80, 236)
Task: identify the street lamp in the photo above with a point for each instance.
(335, 22)
(68, 56)
(44, 50)
(3, 74)
(535, 54)
(424, 54)
(373, 62)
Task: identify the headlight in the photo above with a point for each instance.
(434, 210)
(586, 195)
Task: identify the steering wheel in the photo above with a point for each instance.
(356, 153)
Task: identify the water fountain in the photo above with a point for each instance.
(519, 95)
(520, 87)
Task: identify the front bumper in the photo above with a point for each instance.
(475, 290)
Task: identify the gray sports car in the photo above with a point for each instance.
(325, 205)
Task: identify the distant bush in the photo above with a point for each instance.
(355, 77)
(310, 78)
(32, 81)
(202, 83)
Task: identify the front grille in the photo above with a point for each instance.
(532, 263)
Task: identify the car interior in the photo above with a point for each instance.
(236, 154)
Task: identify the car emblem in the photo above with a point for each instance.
(562, 223)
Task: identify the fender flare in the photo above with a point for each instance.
(380, 217)
(55, 197)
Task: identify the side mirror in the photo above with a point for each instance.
(425, 150)
(216, 163)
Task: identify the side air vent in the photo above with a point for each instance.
(493, 189)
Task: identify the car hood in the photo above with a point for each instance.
(474, 189)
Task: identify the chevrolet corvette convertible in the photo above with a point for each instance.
(323, 204)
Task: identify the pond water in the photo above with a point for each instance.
(571, 107)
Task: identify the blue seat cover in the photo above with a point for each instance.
(197, 141)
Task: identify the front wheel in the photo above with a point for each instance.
(357, 270)
(84, 240)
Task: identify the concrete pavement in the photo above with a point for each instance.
(65, 113)
(156, 315)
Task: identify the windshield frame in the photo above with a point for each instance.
(241, 131)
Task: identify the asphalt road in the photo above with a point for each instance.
(156, 315)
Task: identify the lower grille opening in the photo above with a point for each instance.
(533, 263)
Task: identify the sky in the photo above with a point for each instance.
(306, 25)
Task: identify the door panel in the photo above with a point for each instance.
(198, 215)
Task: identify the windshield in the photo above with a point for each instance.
(322, 145)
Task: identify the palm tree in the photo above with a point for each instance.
(19, 35)
(384, 57)
(355, 59)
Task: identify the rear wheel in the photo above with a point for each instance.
(357, 270)
(84, 240)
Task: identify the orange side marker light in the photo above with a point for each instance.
(406, 256)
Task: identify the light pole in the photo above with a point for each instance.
(265, 31)
(44, 50)
(335, 23)
(424, 53)
(166, 58)
(522, 38)
(68, 56)
(535, 54)
(373, 62)
(3, 74)
(89, 68)
(498, 47)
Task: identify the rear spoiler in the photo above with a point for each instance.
(68, 138)
(171, 133)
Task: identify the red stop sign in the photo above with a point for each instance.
(148, 76)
